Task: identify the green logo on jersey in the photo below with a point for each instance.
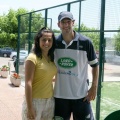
(66, 62)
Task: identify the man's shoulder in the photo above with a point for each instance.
(59, 37)
(82, 37)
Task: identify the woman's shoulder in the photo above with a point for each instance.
(31, 56)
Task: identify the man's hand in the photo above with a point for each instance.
(91, 94)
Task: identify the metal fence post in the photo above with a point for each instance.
(101, 60)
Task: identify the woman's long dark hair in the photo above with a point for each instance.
(37, 50)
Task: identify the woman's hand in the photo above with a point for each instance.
(31, 114)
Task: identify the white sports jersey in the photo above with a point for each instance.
(72, 64)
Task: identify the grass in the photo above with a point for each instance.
(110, 99)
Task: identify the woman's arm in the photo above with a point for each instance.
(29, 74)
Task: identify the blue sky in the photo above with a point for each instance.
(5, 5)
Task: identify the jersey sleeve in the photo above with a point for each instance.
(91, 55)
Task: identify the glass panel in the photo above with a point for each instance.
(110, 93)
(53, 16)
(89, 21)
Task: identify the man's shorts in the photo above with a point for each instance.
(44, 109)
(80, 109)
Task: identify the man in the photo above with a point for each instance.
(72, 55)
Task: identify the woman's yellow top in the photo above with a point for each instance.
(42, 86)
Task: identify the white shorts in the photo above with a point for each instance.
(44, 109)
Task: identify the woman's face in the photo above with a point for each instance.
(46, 42)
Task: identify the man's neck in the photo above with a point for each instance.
(68, 37)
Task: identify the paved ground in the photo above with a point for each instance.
(11, 97)
(111, 72)
(10, 100)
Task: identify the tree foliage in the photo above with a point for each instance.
(94, 36)
(117, 41)
(9, 26)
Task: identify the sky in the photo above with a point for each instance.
(90, 14)
(5, 5)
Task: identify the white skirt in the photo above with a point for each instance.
(44, 109)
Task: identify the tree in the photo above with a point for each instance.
(94, 36)
(117, 41)
(9, 26)
(37, 22)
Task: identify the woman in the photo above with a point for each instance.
(39, 71)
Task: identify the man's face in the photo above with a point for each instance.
(66, 25)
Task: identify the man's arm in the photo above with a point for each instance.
(93, 90)
(95, 76)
